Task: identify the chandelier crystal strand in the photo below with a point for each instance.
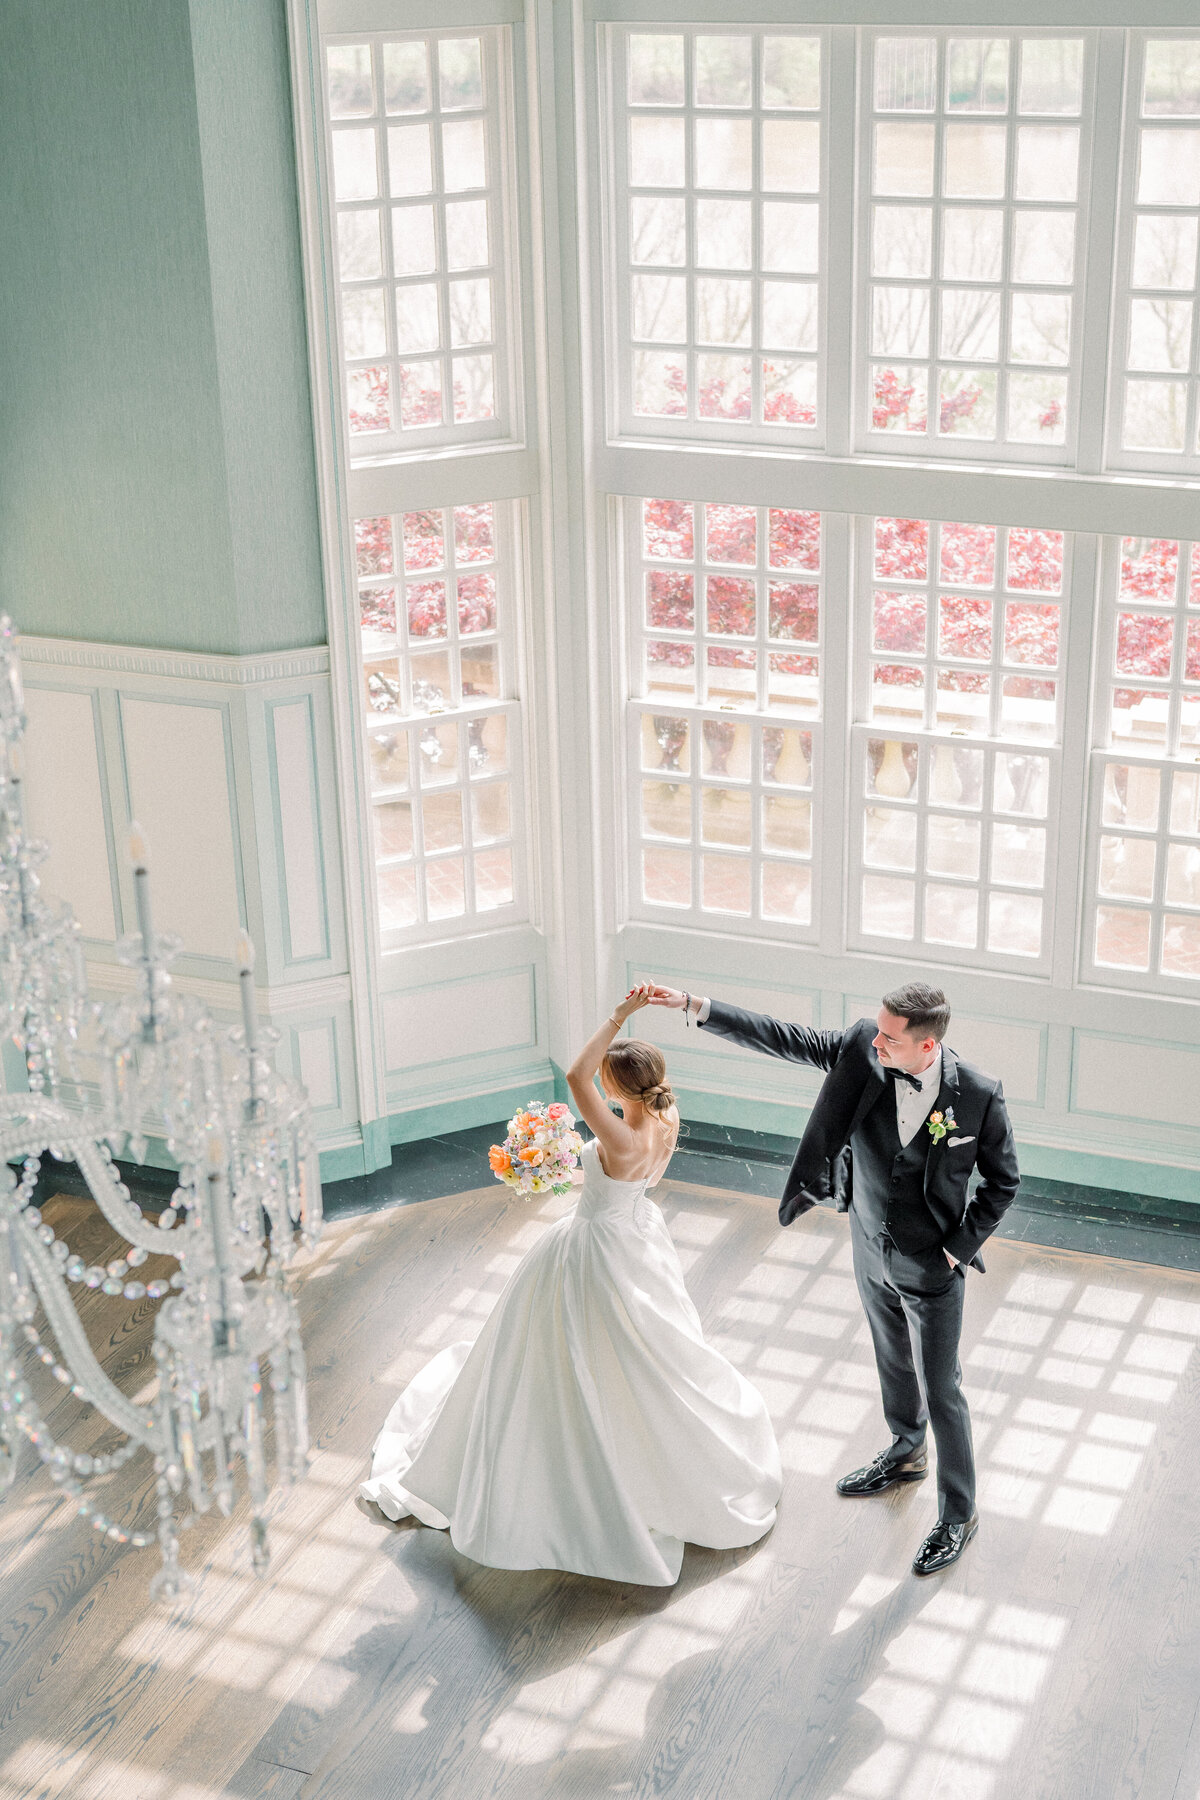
(101, 1082)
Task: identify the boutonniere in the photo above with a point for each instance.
(941, 1123)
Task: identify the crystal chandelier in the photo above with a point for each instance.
(230, 1367)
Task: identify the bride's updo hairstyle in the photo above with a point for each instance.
(638, 1071)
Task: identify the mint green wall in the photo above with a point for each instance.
(157, 484)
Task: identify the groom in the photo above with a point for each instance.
(896, 1130)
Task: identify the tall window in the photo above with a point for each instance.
(972, 157)
(441, 728)
(955, 767)
(1157, 337)
(717, 153)
(727, 652)
(1146, 799)
(417, 150)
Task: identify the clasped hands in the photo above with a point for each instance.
(647, 993)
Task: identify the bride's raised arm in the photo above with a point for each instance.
(613, 1133)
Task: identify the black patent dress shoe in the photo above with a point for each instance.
(884, 1473)
(944, 1545)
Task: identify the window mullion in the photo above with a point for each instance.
(834, 757)
(1095, 294)
(1063, 879)
(839, 116)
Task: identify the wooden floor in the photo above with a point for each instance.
(1060, 1660)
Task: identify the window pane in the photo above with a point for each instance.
(905, 74)
(787, 892)
(494, 884)
(397, 890)
(891, 767)
(655, 70)
(1185, 801)
(725, 817)
(791, 71)
(1015, 924)
(460, 72)
(725, 884)
(1122, 938)
(952, 847)
(406, 77)
(1051, 75)
(1164, 251)
(787, 825)
(888, 907)
(722, 70)
(951, 915)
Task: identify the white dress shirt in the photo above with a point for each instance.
(914, 1105)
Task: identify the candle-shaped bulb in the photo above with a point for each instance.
(244, 958)
(139, 856)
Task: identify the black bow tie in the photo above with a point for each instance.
(903, 1075)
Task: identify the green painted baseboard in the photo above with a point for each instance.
(459, 1115)
(1119, 1174)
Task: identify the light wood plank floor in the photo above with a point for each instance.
(1060, 1660)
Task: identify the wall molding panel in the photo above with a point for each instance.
(227, 762)
(182, 665)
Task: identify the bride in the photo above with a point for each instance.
(590, 1427)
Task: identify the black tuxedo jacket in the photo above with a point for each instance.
(855, 1080)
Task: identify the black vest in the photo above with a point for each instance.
(889, 1179)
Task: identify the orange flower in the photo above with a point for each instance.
(500, 1160)
(532, 1156)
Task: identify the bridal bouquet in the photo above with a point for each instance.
(541, 1149)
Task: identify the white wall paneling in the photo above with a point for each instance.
(426, 1028)
(296, 805)
(64, 797)
(176, 760)
(464, 1019)
(227, 764)
(1138, 1082)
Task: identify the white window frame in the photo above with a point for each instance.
(756, 718)
(624, 423)
(932, 739)
(929, 744)
(411, 442)
(930, 443)
(1161, 462)
(1172, 758)
(459, 713)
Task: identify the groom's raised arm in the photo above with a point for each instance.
(756, 1031)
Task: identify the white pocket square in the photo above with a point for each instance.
(952, 1142)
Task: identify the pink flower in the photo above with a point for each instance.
(557, 1111)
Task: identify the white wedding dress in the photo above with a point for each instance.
(590, 1427)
